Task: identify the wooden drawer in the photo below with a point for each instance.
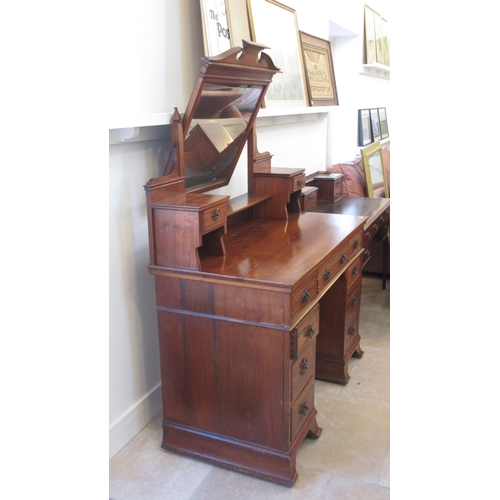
(298, 182)
(353, 299)
(332, 266)
(353, 272)
(303, 370)
(351, 329)
(305, 332)
(309, 199)
(355, 243)
(301, 409)
(304, 293)
(213, 217)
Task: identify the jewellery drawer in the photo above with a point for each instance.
(331, 267)
(304, 332)
(301, 409)
(303, 369)
(213, 217)
(337, 190)
(354, 272)
(298, 182)
(309, 199)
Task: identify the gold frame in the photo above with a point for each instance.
(280, 34)
(367, 153)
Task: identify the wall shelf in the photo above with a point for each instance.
(376, 69)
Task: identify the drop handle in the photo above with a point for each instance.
(300, 183)
(309, 332)
(351, 330)
(305, 297)
(303, 366)
(216, 214)
(327, 274)
(355, 270)
(343, 258)
(355, 244)
(303, 409)
(354, 301)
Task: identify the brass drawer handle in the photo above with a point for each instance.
(303, 409)
(354, 301)
(300, 183)
(351, 330)
(367, 234)
(355, 270)
(309, 332)
(355, 244)
(343, 258)
(216, 214)
(306, 296)
(303, 366)
(327, 274)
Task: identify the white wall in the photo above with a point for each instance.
(157, 50)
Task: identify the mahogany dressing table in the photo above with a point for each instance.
(245, 287)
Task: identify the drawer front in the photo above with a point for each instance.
(298, 182)
(213, 217)
(303, 370)
(351, 330)
(332, 266)
(353, 300)
(304, 294)
(353, 272)
(304, 333)
(338, 193)
(310, 201)
(355, 242)
(301, 409)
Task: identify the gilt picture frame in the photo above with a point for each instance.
(288, 88)
(319, 72)
(215, 24)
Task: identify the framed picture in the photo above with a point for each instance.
(371, 56)
(373, 164)
(318, 66)
(364, 127)
(215, 25)
(239, 26)
(384, 128)
(385, 42)
(379, 43)
(375, 121)
(275, 25)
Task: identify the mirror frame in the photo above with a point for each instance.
(368, 152)
(244, 66)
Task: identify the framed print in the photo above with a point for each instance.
(384, 128)
(385, 42)
(375, 121)
(379, 43)
(239, 26)
(215, 25)
(275, 25)
(318, 67)
(364, 127)
(370, 35)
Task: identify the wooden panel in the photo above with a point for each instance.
(305, 331)
(301, 409)
(250, 370)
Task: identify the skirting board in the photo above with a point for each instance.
(134, 420)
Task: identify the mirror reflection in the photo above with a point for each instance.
(215, 134)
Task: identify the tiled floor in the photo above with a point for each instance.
(350, 460)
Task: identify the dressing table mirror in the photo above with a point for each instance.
(373, 163)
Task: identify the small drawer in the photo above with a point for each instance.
(355, 243)
(213, 217)
(331, 267)
(309, 199)
(301, 409)
(337, 190)
(304, 294)
(351, 330)
(305, 332)
(298, 182)
(354, 272)
(303, 369)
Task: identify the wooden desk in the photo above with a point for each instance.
(238, 339)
